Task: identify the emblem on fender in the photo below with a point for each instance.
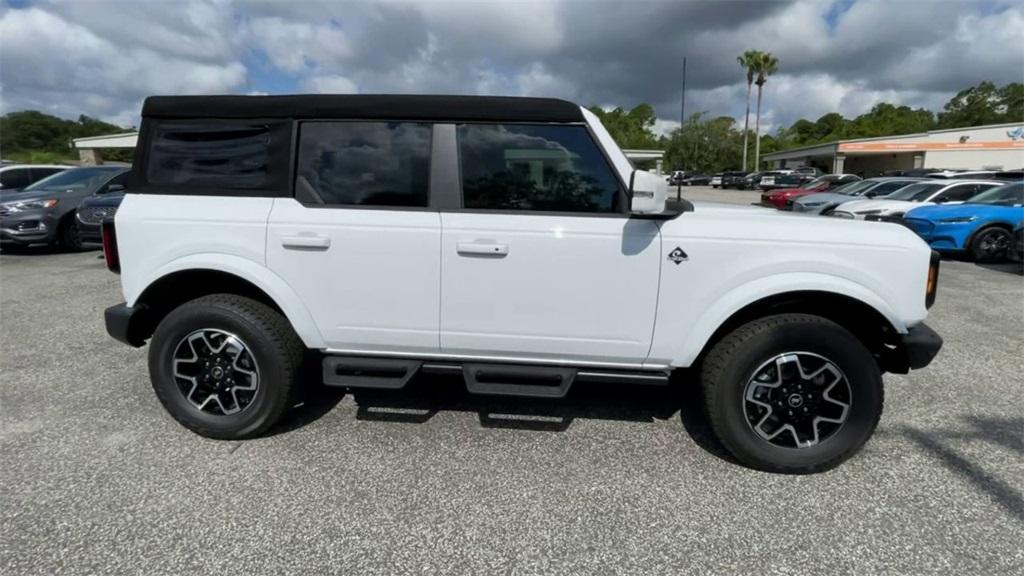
(677, 255)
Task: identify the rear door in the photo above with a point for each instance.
(540, 260)
(358, 243)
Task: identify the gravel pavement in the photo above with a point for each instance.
(97, 479)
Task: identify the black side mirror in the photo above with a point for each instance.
(114, 188)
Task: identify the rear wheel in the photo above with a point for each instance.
(792, 393)
(991, 244)
(225, 366)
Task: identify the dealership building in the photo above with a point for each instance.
(993, 147)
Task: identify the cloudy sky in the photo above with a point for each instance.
(102, 58)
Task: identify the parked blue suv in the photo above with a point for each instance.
(982, 226)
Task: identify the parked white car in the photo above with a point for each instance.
(507, 240)
(917, 194)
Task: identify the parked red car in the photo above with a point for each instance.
(778, 198)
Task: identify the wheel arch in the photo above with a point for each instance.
(1004, 224)
(182, 281)
(876, 329)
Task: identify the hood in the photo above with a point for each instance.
(885, 205)
(7, 196)
(942, 211)
(825, 198)
(786, 191)
(98, 200)
(740, 211)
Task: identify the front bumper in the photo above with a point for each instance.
(29, 228)
(915, 349)
(128, 324)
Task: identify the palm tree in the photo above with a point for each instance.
(747, 61)
(765, 66)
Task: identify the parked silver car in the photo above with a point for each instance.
(870, 188)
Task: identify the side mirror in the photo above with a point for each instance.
(648, 193)
(114, 188)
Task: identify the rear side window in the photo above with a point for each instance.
(365, 163)
(210, 154)
(534, 168)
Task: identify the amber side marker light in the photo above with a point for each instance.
(110, 255)
(933, 280)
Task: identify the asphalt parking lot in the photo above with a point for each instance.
(97, 479)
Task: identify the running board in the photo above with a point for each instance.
(518, 380)
(383, 373)
(526, 380)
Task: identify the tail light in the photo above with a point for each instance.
(932, 287)
(110, 246)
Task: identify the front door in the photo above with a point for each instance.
(358, 244)
(542, 262)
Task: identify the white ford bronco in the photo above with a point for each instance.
(507, 240)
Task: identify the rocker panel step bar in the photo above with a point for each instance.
(498, 379)
(513, 380)
(385, 373)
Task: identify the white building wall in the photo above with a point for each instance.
(974, 159)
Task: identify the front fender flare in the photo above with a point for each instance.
(750, 292)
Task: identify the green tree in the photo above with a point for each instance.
(984, 104)
(748, 61)
(629, 129)
(765, 65)
(31, 133)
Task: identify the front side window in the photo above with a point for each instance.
(534, 168)
(210, 154)
(365, 163)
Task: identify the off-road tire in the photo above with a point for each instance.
(731, 363)
(276, 348)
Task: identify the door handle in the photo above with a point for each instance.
(482, 248)
(308, 242)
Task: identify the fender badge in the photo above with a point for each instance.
(677, 255)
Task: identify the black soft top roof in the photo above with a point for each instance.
(366, 106)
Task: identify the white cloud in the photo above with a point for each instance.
(102, 57)
(330, 85)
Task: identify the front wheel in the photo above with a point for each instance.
(70, 237)
(991, 244)
(792, 393)
(225, 366)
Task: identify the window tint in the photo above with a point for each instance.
(209, 154)
(888, 187)
(40, 173)
(543, 168)
(365, 163)
(962, 192)
(15, 178)
(121, 179)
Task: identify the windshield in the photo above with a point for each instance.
(1007, 195)
(854, 188)
(916, 192)
(76, 178)
(816, 183)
